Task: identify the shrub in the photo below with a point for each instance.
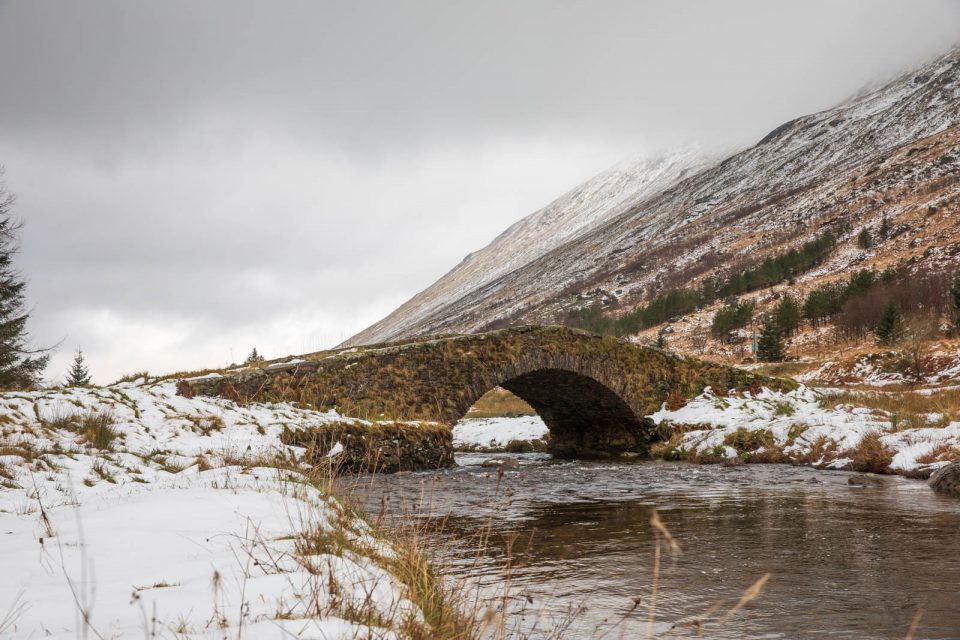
(747, 441)
(96, 429)
(871, 455)
(675, 400)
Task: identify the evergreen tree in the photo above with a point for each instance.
(788, 314)
(889, 330)
(20, 366)
(770, 347)
(661, 338)
(865, 239)
(884, 227)
(954, 301)
(79, 375)
(254, 357)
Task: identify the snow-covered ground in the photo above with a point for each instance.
(174, 529)
(495, 433)
(800, 425)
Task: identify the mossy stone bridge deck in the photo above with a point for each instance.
(592, 392)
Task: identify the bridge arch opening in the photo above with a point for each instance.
(585, 418)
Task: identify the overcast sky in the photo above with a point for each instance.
(198, 178)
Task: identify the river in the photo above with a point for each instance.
(844, 561)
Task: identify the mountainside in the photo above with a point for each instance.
(569, 216)
(891, 153)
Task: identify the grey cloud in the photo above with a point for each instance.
(199, 175)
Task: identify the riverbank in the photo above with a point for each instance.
(129, 510)
(908, 432)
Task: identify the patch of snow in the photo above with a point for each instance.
(495, 433)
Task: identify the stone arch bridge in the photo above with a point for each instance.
(592, 392)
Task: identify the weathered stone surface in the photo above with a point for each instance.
(592, 392)
(946, 480)
(383, 447)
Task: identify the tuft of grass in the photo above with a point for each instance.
(100, 468)
(781, 408)
(870, 455)
(942, 453)
(526, 446)
(133, 377)
(675, 400)
(97, 429)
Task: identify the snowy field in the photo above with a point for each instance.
(172, 529)
(495, 433)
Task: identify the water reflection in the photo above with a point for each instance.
(846, 562)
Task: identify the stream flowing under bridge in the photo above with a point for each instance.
(592, 392)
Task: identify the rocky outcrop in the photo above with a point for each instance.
(381, 447)
(592, 392)
(946, 480)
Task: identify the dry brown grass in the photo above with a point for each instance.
(906, 409)
(870, 455)
(942, 453)
(498, 403)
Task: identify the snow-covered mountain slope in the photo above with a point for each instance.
(890, 152)
(569, 216)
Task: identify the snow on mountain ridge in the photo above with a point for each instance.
(569, 216)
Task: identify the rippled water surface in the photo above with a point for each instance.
(845, 561)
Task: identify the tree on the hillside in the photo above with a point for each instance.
(700, 338)
(884, 231)
(919, 331)
(254, 357)
(20, 366)
(79, 375)
(661, 342)
(788, 314)
(770, 346)
(865, 239)
(954, 301)
(733, 315)
(890, 329)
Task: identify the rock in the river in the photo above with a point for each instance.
(502, 463)
(866, 480)
(946, 480)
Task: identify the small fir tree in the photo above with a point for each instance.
(770, 347)
(79, 375)
(661, 338)
(884, 231)
(254, 357)
(889, 330)
(20, 366)
(788, 314)
(865, 239)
